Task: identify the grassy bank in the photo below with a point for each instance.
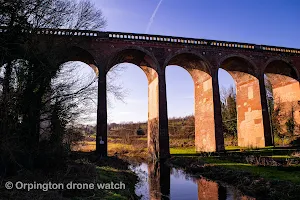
(288, 173)
(256, 181)
(265, 173)
(270, 163)
(79, 168)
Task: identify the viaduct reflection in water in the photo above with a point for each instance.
(158, 181)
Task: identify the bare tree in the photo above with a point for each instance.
(30, 83)
(51, 14)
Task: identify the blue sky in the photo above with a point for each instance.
(270, 22)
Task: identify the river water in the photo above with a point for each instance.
(158, 181)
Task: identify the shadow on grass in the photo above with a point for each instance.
(80, 167)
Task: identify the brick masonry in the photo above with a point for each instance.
(246, 65)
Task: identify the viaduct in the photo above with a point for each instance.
(248, 64)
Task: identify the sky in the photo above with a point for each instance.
(269, 22)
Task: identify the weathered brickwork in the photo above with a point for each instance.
(153, 115)
(204, 112)
(286, 93)
(247, 63)
(249, 112)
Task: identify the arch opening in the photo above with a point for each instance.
(39, 96)
(144, 60)
(250, 127)
(74, 88)
(138, 57)
(128, 119)
(180, 97)
(228, 107)
(77, 54)
(283, 95)
(206, 139)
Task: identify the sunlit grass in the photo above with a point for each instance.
(84, 147)
(191, 150)
(187, 150)
(265, 172)
(230, 148)
(89, 142)
(112, 146)
(280, 156)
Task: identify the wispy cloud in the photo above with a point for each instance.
(152, 17)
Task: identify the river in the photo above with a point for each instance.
(158, 181)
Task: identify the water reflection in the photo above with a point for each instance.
(210, 190)
(158, 181)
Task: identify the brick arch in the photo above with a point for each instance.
(183, 52)
(185, 69)
(288, 69)
(156, 116)
(252, 68)
(76, 53)
(191, 62)
(250, 121)
(283, 78)
(206, 136)
(135, 55)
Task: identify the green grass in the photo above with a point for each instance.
(265, 172)
(109, 174)
(266, 150)
(232, 148)
(269, 172)
(280, 156)
(189, 150)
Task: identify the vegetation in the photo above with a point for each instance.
(39, 101)
(259, 182)
(29, 97)
(80, 168)
(40, 104)
(229, 114)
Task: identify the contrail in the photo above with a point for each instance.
(152, 17)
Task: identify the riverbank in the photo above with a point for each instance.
(265, 173)
(260, 182)
(81, 168)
